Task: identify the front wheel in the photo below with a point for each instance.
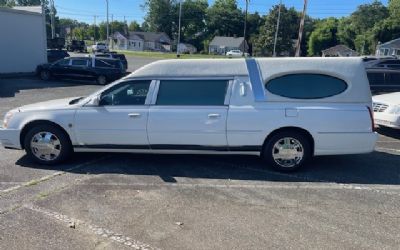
(102, 80)
(287, 151)
(45, 75)
(47, 144)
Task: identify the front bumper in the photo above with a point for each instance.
(9, 138)
(387, 120)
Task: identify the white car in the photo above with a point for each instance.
(236, 53)
(387, 110)
(284, 109)
(100, 47)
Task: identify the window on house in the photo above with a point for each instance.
(306, 86)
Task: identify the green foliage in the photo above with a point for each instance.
(224, 18)
(159, 15)
(287, 33)
(134, 26)
(323, 37)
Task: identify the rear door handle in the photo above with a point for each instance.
(134, 115)
(214, 115)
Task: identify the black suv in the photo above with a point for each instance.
(77, 45)
(114, 55)
(56, 54)
(83, 68)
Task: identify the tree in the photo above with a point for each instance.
(7, 3)
(159, 17)
(346, 32)
(287, 33)
(134, 26)
(323, 37)
(224, 18)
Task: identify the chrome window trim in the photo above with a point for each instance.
(256, 80)
(227, 93)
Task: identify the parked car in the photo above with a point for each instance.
(76, 45)
(384, 80)
(114, 55)
(285, 110)
(56, 43)
(100, 47)
(387, 110)
(56, 54)
(236, 53)
(385, 63)
(83, 68)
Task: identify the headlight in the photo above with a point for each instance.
(395, 110)
(7, 118)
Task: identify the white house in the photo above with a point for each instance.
(140, 41)
(223, 44)
(391, 48)
(23, 42)
(186, 48)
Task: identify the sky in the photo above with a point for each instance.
(85, 10)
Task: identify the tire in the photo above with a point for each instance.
(45, 75)
(298, 151)
(47, 145)
(101, 80)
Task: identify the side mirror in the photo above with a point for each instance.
(94, 102)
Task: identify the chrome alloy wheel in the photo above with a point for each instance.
(288, 152)
(45, 146)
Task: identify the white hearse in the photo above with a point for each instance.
(285, 110)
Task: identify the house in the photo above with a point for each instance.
(186, 48)
(24, 46)
(339, 51)
(141, 41)
(223, 44)
(391, 48)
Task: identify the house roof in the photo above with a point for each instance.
(150, 36)
(338, 49)
(393, 43)
(27, 10)
(227, 41)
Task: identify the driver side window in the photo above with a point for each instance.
(126, 93)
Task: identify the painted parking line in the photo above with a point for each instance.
(49, 177)
(99, 231)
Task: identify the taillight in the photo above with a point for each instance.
(371, 115)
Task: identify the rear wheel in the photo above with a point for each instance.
(47, 144)
(102, 80)
(287, 151)
(45, 75)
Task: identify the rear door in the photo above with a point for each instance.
(80, 68)
(189, 115)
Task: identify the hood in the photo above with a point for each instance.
(48, 105)
(390, 99)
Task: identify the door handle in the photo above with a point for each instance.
(214, 115)
(134, 115)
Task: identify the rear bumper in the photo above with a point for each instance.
(9, 138)
(345, 143)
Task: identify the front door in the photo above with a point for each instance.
(119, 121)
(189, 115)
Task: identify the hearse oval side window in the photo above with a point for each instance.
(306, 86)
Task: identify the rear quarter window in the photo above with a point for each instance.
(306, 86)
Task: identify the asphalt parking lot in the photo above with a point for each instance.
(125, 201)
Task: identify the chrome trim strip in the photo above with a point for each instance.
(256, 80)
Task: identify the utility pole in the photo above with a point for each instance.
(245, 27)
(179, 28)
(108, 32)
(53, 24)
(301, 28)
(94, 29)
(277, 27)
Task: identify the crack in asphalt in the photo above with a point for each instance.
(49, 177)
(97, 230)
